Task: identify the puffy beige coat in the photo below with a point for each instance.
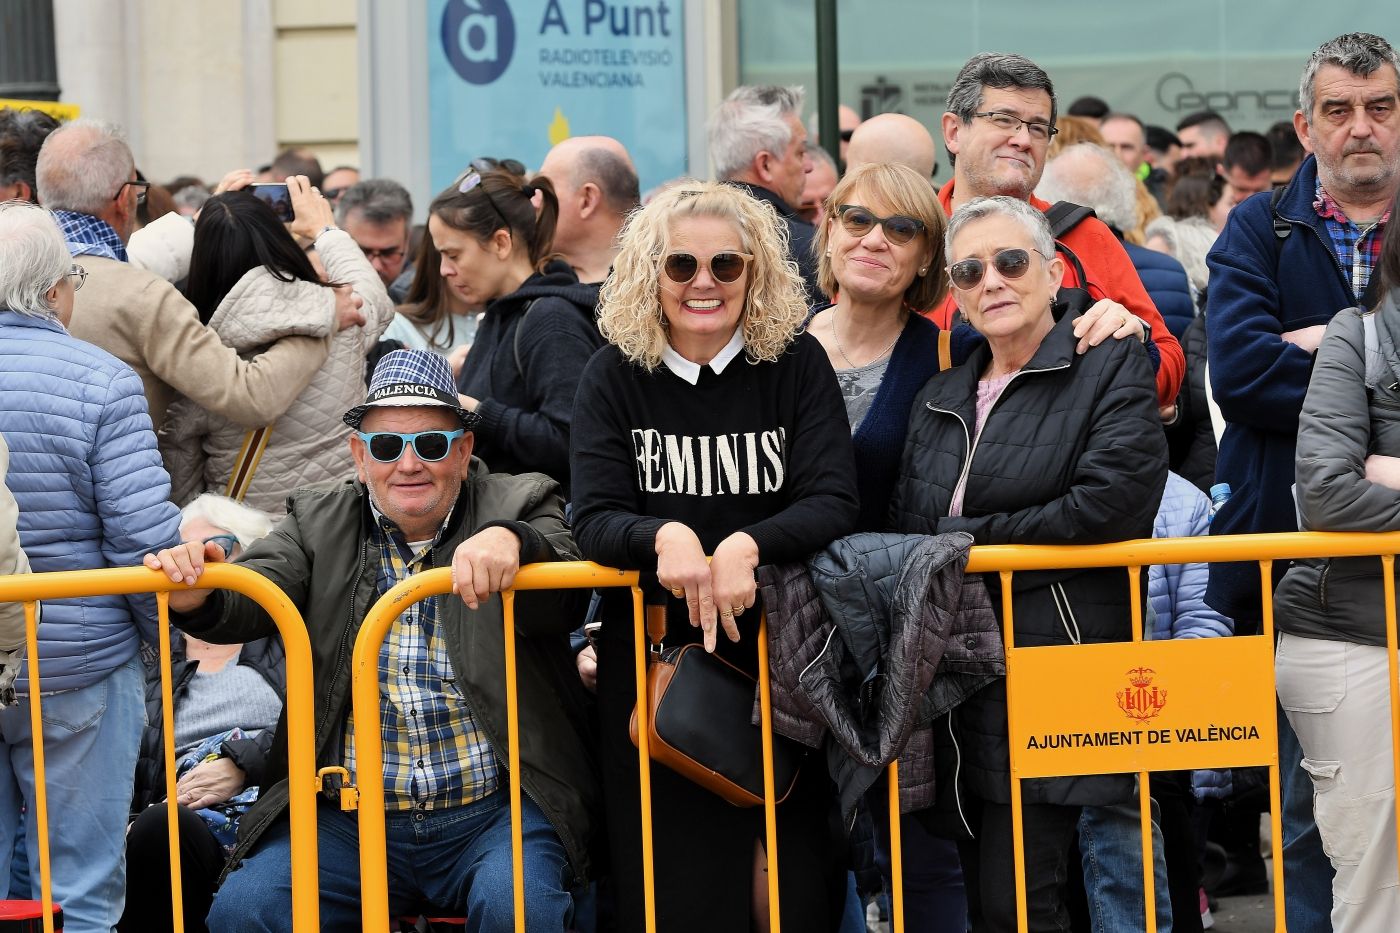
(307, 443)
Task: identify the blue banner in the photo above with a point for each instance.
(510, 78)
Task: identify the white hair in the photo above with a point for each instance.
(751, 120)
(244, 522)
(1023, 212)
(33, 258)
(82, 167)
(1110, 189)
(1188, 242)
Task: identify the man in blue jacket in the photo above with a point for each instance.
(91, 490)
(1278, 273)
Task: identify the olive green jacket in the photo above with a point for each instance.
(322, 557)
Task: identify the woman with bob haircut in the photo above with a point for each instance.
(708, 426)
(254, 285)
(1029, 442)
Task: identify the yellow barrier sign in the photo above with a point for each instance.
(52, 107)
(1145, 706)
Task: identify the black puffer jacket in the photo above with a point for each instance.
(524, 366)
(264, 655)
(1072, 453)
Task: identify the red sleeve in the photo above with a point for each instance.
(1112, 275)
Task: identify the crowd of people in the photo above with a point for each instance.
(755, 389)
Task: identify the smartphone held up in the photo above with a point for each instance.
(276, 195)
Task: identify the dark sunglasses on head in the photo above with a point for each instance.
(1009, 263)
(724, 267)
(858, 221)
(428, 446)
(228, 542)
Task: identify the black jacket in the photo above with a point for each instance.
(800, 238)
(1072, 453)
(524, 366)
(1191, 438)
(264, 655)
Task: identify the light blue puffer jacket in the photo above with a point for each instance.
(1177, 591)
(91, 489)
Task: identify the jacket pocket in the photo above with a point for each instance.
(1310, 674)
(1345, 822)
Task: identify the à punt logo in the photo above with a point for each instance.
(1141, 700)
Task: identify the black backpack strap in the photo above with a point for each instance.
(1282, 228)
(1075, 264)
(1064, 216)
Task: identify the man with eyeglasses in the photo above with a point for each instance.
(420, 501)
(1000, 118)
(86, 176)
(377, 213)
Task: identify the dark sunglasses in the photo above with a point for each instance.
(1009, 263)
(858, 221)
(428, 446)
(724, 267)
(228, 542)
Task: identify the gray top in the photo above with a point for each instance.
(858, 388)
(236, 696)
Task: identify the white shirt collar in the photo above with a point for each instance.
(690, 371)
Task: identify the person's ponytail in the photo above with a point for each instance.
(546, 219)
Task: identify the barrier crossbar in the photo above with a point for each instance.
(30, 589)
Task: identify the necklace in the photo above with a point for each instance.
(836, 335)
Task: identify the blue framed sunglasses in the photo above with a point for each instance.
(428, 446)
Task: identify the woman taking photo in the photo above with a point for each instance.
(1030, 443)
(709, 426)
(1331, 663)
(537, 332)
(254, 285)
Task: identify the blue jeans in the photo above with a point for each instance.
(1307, 872)
(457, 860)
(1110, 845)
(91, 739)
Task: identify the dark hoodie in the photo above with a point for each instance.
(524, 367)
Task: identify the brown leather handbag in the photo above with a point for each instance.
(700, 725)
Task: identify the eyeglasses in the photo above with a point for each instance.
(373, 254)
(1009, 263)
(724, 267)
(428, 446)
(333, 194)
(899, 229)
(141, 187)
(78, 274)
(1011, 123)
(228, 542)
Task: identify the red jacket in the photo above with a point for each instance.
(1111, 275)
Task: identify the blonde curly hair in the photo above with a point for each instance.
(629, 306)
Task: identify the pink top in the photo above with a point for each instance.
(988, 391)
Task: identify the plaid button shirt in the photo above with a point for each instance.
(1358, 248)
(85, 235)
(435, 754)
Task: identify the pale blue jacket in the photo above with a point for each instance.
(91, 489)
(1178, 591)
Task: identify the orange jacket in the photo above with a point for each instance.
(1111, 275)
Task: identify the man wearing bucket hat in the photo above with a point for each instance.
(419, 501)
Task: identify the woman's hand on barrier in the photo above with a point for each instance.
(731, 576)
(681, 568)
(312, 212)
(185, 564)
(485, 563)
(208, 783)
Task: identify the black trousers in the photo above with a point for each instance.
(148, 872)
(989, 872)
(704, 846)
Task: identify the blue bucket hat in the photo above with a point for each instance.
(409, 379)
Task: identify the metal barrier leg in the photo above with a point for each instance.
(1388, 575)
(40, 815)
(1018, 836)
(1149, 879)
(1266, 578)
(770, 806)
(896, 854)
(517, 840)
(172, 814)
(639, 642)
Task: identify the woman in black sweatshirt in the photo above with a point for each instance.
(708, 426)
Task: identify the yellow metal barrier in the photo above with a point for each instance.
(29, 588)
(1225, 718)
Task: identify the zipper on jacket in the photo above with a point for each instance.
(1322, 583)
(1057, 593)
(957, 776)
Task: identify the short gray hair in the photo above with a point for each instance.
(1000, 70)
(1110, 190)
(819, 154)
(244, 522)
(751, 120)
(1023, 212)
(1188, 241)
(82, 166)
(1360, 53)
(379, 201)
(33, 258)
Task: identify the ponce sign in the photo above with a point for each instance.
(1143, 706)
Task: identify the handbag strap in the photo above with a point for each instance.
(656, 626)
(254, 443)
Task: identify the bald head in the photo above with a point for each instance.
(893, 137)
(597, 187)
